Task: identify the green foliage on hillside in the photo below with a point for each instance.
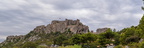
(29, 45)
(71, 46)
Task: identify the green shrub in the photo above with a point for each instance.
(42, 47)
(118, 46)
(133, 45)
(29, 45)
(141, 45)
(74, 46)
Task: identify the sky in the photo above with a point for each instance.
(19, 17)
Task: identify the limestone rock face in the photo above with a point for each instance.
(75, 26)
(39, 29)
(13, 39)
(101, 30)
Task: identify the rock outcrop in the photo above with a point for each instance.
(75, 26)
(14, 38)
(101, 30)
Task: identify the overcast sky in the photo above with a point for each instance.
(18, 17)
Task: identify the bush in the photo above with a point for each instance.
(141, 45)
(29, 45)
(74, 46)
(42, 47)
(118, 46)
(133, 45)
(132, 39)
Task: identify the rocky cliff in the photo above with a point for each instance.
(12, 39)
(75, 26)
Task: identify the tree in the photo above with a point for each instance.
(83, 38)
(132, 39)
(141, 25)
(138, 32)
(108, 34)
(88, 37)
(59, 40)
(77, 39)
